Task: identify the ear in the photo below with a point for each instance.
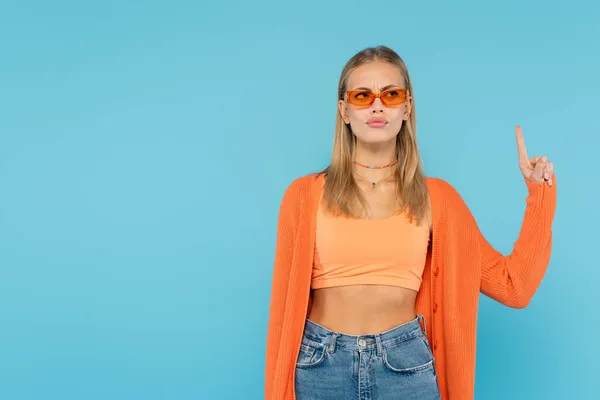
(408, 108)
(342, 108)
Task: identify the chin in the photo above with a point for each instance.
(376, 137)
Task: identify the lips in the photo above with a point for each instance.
(376, 122)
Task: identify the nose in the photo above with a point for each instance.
(377, 106)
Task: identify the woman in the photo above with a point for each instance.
(378, 269)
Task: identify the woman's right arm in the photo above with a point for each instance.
(286, 228)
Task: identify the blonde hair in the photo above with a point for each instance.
(341, 192)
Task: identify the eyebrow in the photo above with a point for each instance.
(382, 89)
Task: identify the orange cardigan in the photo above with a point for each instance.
(460, 264)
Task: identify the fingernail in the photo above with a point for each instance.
(544, 159)
(546, 176)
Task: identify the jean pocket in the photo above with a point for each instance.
(310, 355)
(410, 356)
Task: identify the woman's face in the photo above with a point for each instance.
(376, 123)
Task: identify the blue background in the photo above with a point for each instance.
(145, 147)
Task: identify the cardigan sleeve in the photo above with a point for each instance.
(286, 226)
(512, 280)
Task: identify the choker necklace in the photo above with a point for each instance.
(373, 183)
(374, 167)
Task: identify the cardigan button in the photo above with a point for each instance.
(435, 345)
(435, 307)
(436, 271)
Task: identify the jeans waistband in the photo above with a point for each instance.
(392, 337)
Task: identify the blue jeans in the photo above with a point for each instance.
(396, 364)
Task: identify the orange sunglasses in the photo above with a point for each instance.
(393, 97)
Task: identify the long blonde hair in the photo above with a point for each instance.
(341, 192)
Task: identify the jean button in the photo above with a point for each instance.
(362, 342)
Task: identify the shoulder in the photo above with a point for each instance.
(305, 182)
(439, 186)
(302, 185)
(443, 193)
(300, 188)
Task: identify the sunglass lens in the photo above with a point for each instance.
(394, 97)
(361, 98)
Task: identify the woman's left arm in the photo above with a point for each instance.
(513, 280)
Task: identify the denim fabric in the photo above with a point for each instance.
(396, 364)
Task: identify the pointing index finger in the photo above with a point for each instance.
(523, 158)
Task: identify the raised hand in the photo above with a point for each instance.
(537, 169)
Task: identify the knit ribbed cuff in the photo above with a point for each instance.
(536, 189)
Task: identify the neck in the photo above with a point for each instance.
(377, 155)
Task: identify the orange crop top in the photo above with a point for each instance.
(389, 251)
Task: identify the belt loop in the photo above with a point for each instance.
(422, 318)
(331, 347)
(379, 345)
